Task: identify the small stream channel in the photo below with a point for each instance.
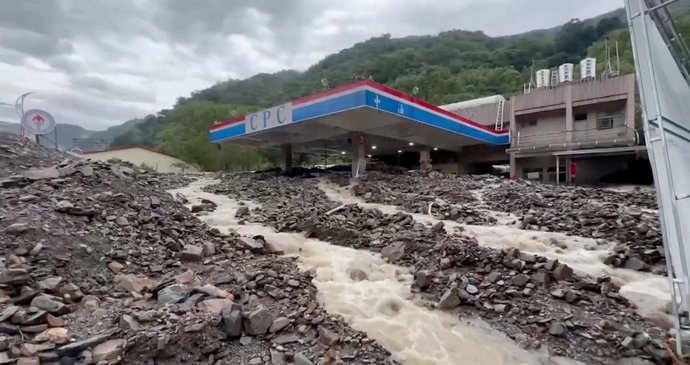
(649, 292)
(380, 305)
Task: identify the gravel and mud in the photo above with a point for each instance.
(534, 299)
(108, 263)
(101, 265)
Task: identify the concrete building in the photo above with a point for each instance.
(577, 132)
(573, 132)
(141, 156)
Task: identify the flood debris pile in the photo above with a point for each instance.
(625, 218)
(536, 301)
(264, 312)
(100, 265)
(445, 196)
(18, 154)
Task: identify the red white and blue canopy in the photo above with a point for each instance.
(388, 117)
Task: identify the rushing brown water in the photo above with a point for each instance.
(381, 305)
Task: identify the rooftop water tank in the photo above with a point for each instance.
(565, 72)
(543, 77)
(588, 68)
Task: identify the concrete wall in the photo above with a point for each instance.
(482, 153)
(536, 164)
(615, 95)
(548, 127)
(621, 126)
(590, 170)
(140, 156)
(591, 119)
(580, 93)
(470, 158)
(539, 100)
(613, 88)
(554, 121)
(594, 112)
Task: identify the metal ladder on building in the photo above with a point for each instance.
(499, 115)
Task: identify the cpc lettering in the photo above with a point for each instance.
(251, 122)
(278, 119)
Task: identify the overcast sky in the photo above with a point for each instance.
(98, 63)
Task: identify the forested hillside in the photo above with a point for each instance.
(472, 64)
(451, 66)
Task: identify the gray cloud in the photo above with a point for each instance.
(35, 16)
(11, 57)
(113, 89)
(100, 62)
(33, 44)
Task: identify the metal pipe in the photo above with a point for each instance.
(19, 109)
(669, 2)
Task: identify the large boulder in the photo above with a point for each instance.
(258, 322)
(174, 294)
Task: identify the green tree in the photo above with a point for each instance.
(621, 38)
(185, 134)
(607, 25)
(572, 41)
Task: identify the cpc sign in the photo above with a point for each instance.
(269, 118)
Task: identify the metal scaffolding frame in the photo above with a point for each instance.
(661, 60)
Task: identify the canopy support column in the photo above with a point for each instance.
(358, 154)
(425, 161)
(286, 161)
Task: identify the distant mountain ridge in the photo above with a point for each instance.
(65, 133)
(113, 132)
(551, 32)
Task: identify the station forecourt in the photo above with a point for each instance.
(363, 119)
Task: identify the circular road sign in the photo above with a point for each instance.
(36, 121)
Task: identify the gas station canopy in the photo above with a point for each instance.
(391, 121)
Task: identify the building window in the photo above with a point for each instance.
(528, 123)
(605, 123)
(610, 121)
(580, 116)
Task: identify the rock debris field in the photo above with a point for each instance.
(102, 266)
(106, 263)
